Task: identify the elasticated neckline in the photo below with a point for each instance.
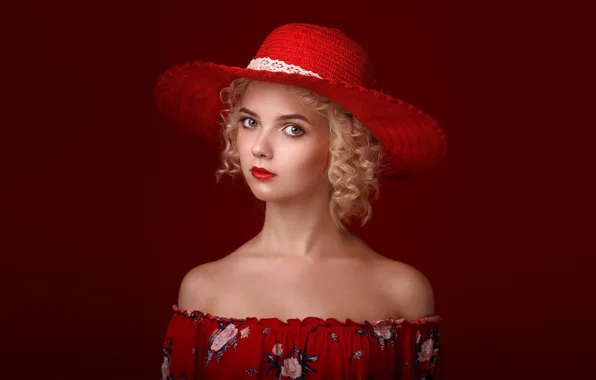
(308, 321)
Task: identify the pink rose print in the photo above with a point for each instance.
(426, 351)
(277, 349)
(244, 332)
(291, 368)
(165, 369)
(224, 337)
(383, 331)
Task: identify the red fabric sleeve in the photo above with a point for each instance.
(419, 353)
(179, 351)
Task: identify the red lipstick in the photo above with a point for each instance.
(261, 173)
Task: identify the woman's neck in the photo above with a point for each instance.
(301, 229)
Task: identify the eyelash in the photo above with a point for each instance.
(242, 120)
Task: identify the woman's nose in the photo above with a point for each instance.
(262, 146)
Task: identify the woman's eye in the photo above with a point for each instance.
(248, 122)
(293, 130)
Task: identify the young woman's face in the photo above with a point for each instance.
(285, 137)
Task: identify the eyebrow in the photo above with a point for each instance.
(292, 116)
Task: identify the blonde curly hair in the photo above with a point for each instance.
(355, 154)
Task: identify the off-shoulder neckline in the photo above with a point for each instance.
(304, 321)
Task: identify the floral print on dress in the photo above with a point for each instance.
(251, 372)
(294, 366)
(427, 350)
(410, 345)
(357, 354)
(382, 332)
(166, 355)
(291, 368)
(277, 349)
(222, 338)
(334, 337)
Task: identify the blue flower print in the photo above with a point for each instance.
(334, 337)
(383, 333)
(251, 371)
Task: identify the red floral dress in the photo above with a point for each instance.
(201, 346)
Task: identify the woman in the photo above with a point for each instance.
(304, 298)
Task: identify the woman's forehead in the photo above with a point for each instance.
(272, 99)
(257, 90)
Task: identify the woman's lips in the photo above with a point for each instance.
(261, 173)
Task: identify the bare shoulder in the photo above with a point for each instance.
(202, 282)
(197, 286)
(409, 288)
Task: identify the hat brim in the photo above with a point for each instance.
(412, 140)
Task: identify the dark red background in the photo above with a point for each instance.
(105, 206)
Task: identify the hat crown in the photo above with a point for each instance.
(314, 50)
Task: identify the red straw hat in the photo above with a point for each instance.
(322, 60)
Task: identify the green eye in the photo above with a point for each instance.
(293, 131)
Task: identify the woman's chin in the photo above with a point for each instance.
(267, 196)
(267, 193)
